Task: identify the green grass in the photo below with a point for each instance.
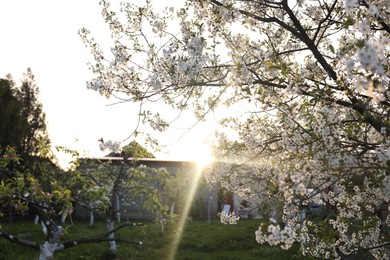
(200, 240)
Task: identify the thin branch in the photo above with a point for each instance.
(128, 224)
(72, 243)
(16, 240)
(326, 18)
(378, 18)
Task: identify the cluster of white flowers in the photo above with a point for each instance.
(155, 121)
(230, 218)
(275, 236)
(350, 5)
(112, 146)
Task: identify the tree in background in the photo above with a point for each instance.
(23, 125)
(10, 119)
(314, 77)
(34, 128)
(107, 189)
(132, 150)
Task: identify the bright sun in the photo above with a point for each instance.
(203, 156)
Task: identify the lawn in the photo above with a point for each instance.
(200, 240)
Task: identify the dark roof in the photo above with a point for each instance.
(146, 161)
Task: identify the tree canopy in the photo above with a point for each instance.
(10, 127)
(314, 77)
(22, 121)
(133, 150)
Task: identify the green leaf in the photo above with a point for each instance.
(331, 48)
(349, 21)
(67, 193)
(57, 193)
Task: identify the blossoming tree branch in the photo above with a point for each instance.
(53, 193)
(314, 76)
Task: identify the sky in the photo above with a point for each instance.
(42, 35)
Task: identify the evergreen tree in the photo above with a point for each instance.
(135, 150)
(132, 150)
(10, 119)
(22, 123)
(34, 126)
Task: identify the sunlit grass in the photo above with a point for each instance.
(198, 240)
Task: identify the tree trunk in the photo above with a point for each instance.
(91, 217)
(118, 208)
(44, 229)
(48, 249)
(52, 244)
(110, 227)
(36, 219)
(171, 211)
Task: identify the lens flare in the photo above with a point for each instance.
(187, 206)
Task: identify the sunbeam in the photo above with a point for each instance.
(187, 206)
